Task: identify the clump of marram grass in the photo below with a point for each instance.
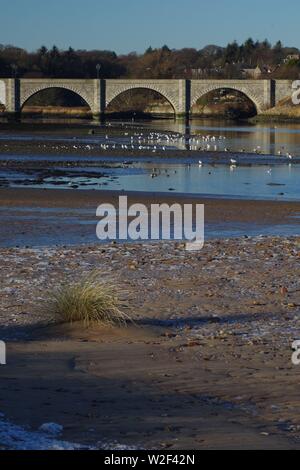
(88, 300)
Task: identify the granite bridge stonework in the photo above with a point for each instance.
(181, 94)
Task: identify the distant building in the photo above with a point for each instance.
(253, 73)
(259, 71)
(203, 73)
(291, 57)
(196, 73)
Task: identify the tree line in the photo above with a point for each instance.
(211, 61)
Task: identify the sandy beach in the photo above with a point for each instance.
(206, 365)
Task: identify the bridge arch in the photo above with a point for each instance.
(25, 97)
(168, 96)
(255, 99)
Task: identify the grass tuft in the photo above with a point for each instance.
(89, 300)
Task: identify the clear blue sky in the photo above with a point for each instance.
(133, 25)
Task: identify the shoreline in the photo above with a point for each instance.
(274, 119)
(88, 119)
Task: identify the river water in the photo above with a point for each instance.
(271, 138)
(265, 175)
(242, 136)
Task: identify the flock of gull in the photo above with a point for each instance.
(162, 142)
(156, 141)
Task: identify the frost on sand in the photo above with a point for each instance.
(19, 438)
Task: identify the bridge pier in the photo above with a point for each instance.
(269, 98)
(184, 100)
(12, 99)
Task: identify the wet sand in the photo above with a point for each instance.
(216, 208)
(34, 217)
(207, 366)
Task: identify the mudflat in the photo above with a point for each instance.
(217, 209)
(36, 217)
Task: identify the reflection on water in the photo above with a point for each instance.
(256, 178)
(269, 139)
(266, 138)
(154, 174)
(279, 182)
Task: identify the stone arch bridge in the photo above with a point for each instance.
(181, 94)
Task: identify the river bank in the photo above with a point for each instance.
(284, 111)
(272, 116)
(275, 119)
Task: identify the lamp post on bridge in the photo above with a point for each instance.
(14, 70)
(98, 68)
